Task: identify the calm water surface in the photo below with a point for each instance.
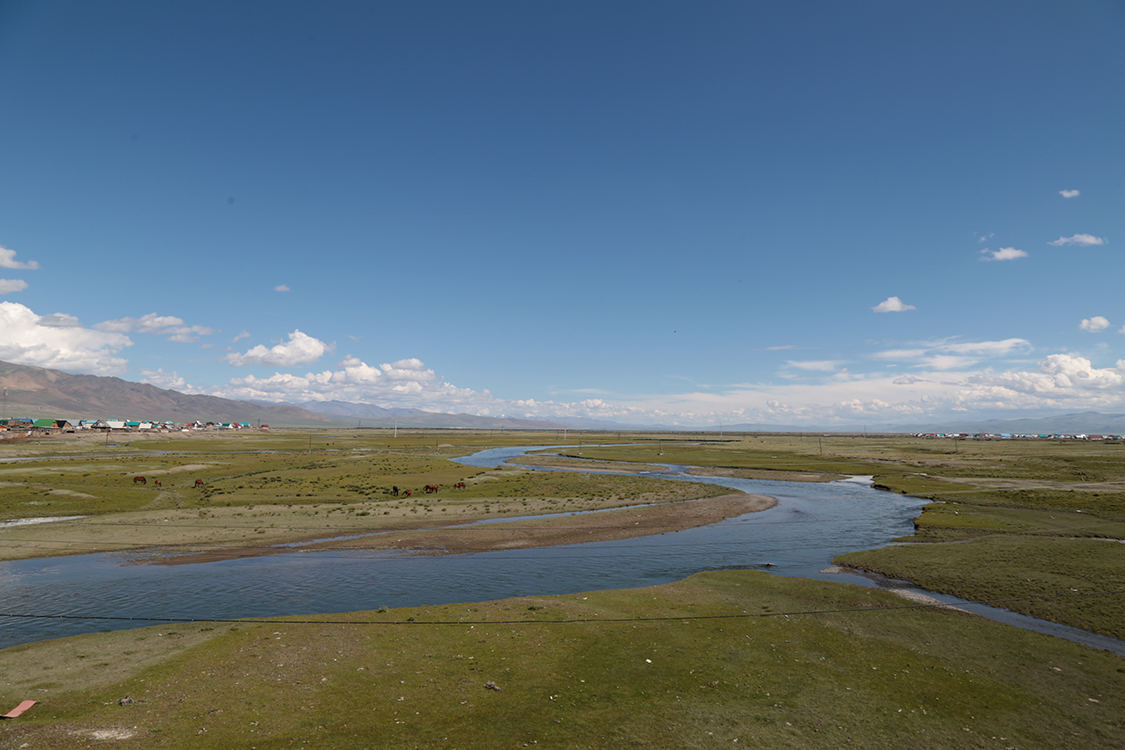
(812, 523)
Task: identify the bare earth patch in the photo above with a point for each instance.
(177, 469)
(438, 537)
(582, 464)
(997, 483)
(764, 474)
(624, 523)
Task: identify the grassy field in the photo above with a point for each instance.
(1038, 521)
(262, 490)
(721, 659)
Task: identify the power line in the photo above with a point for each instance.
(578, 620)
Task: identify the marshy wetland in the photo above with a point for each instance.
(788, 662)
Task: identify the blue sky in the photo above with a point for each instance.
(682, 213)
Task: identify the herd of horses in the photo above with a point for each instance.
(429, 489)
(156, 482)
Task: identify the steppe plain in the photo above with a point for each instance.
(721, 659)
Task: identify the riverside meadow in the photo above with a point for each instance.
(723, 657)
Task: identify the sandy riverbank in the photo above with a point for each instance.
(434, 538)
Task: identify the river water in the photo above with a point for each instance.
(811, 524)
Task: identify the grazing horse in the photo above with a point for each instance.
(459, 486)
(157, 483)
(407, 493)
(198, 482)
(139, 480)
(394, 490)
(431, 488)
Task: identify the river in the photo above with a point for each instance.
(811, 524)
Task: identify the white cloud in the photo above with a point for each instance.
(986, 348)
(7, 286)
(8, 260)
(57, 341)
(892, 304)
(824, 365)
(59, 320)
(168, 325)
(281, 288)
(145, 324)
(1082, 240)
(167, 380)
(1058, 381)
(300, 348)
(239, 337)
(986, 237)
(946, 354)
(1070, 193)
(1094, 324)
(405, 382)
(1059, 377)
(1004, 253)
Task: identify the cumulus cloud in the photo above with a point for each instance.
(8, 286)
(145, 324)
(1070, 193)
(892, 304)
(58, 342)
(1004, 253)
(8, 260)
(1060, 377)
(405, 382)
(168, 380)
(281, 288)
(300, 349)
(1081, 240)
(168, 325)
(1094, 324)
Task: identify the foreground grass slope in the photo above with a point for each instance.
(721, 659)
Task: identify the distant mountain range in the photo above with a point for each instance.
(40, 392)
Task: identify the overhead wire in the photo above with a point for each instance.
(284, 620)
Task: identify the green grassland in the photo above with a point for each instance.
(266, 489)
(1040, 522)
(721, 659)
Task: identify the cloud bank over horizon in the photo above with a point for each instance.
(948, 378)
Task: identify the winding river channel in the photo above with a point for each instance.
(811, 524)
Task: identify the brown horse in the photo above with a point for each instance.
(394, 490)
(459, 486)
(139, 480)
(198, 482)
(407, 493)
(157, 483)
(431, 488)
